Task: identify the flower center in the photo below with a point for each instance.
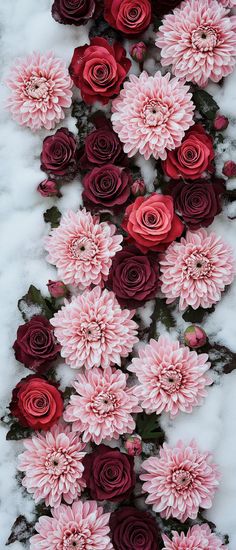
(83, 248)
(170, 379)
(197, 266)
(92, 331)
(37, 87)
(104, 404)
(181, 480)
(154, 112)
(204, 39)
(57, 463)
(73, 538)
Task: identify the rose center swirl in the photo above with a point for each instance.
(154, 112)
(37, 87)
(83, 248)
(204, 39)
(104, 403)
(197, 266)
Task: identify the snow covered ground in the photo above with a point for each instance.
(26, 26)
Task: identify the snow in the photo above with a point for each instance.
(28, 26)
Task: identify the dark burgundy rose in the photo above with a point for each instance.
(109, 474)
(101, 146)
(133, 277)
(134, 530)
(161, 7)
(74, 12)
(36, 403)
(198, 202)
(35, 345)
(59, 157)
(107, 186)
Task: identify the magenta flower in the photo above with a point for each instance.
(82, 525)
(93, 330)
(172, 378)
(152, 114)
(198, 536)
(40, 90)
(103, 405)
(196, 270)
(82, 248)
(199, 40)
(180, 480)
(53, 465)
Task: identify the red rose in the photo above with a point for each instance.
(128, 16)
(107, 186)
(151, 222)
(99, 70)
(109, 474)
(74, 12)
(35, 345)
(36, 403)
(133, 529)
(101, 146)
(59, 155)
(193, 157)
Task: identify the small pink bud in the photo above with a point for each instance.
(195, 337)
(57, 289)
(48, 188)
(221, 122)
(133, 445)
(138, 187)
(138, 52)
(229, 169)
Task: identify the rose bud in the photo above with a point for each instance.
(48, 188)
(133, 445)
(57, 289)
(138, 187)
(229, 169)
(195, 337)
(138, 52)
(221, 122)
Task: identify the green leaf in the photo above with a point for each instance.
(205, 104)
(52, 216)
(18, 432)
(163, 313)
(148, 427)
(21, 531)
(196, 315)
(33, 303)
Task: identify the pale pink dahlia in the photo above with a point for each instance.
(199, 537)
(180, 481)
(196, 269)
(93, 330)
(53, 465)
(40, 90)
(172, 378)
(82, 526)
(103, 405)
(199, 40)
(151, 114)
(82, 248)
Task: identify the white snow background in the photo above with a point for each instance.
(27, 26)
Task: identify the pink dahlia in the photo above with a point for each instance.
(103, 405)
(172, 378)
(152, 114)
(180, 481)
(80, 526)
(199, 40)
(228, 3)
(93, 330)
(198, 537)
(53, 465)
(196, 269)
(40, 90)
(82, 248)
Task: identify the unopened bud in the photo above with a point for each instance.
(48, 188)
(138, 187)
(57, 289)
(133, 445)
(221, 122)
(138, 52)
(195, 337)
(229, 169)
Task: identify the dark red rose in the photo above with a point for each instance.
(99, 70)
(130, 17)
(161, 7)
(198, 202)
(109, 474)
(107, 186)
(59, 156)
(36, 403)
(101, 146)
(35, 345)
(134, 530)
(193, 157)
(74, 12)
(133, 277)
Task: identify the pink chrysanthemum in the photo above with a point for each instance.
(228, 3)
(81, 526)
(82, 248)
(172, 378)
(103, 405)
(199, 536)
(53, 466)
(199, 40)
(152, 114)
(180, 480)
(93, 330)
(196, 269)
(40, 90)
